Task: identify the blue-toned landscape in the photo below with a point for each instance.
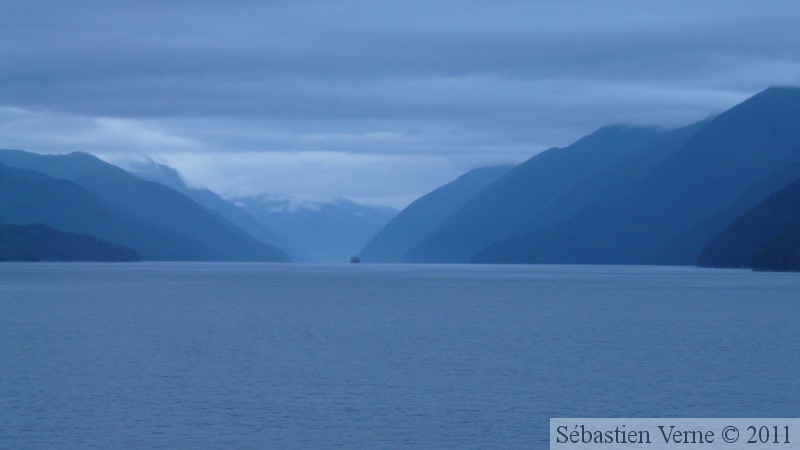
(398, 224)
(722, 192)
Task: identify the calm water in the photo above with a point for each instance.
(365, 356)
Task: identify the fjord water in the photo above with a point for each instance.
(163, 355)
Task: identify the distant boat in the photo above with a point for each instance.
(355, 259)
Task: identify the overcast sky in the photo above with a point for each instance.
(377, 101)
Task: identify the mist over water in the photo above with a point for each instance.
(172, 355)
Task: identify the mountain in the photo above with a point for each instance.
(781, 253)
(332, 230)
(28, 197)
(707, 174)
(166, 211)
(161, 173)
(515, 203)
(741, 240)
(687, 245)
(426, 214)
(42, 243)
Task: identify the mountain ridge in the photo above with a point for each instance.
(737, 245)
(425, 214)
(39, 242)
(28, 197)
(164, 174)
(506, 207)
(153, 202)
(717, 165)
(330, 231)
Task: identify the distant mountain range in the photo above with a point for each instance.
(330, 230)
(161, 173)
(713, 169)
(310, 230)
(623, 195)
(79, 193)
(723, 192)
(541, 191)
(156, 215)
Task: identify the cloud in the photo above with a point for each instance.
(453, 83)
(58, 133)
(393, 180)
